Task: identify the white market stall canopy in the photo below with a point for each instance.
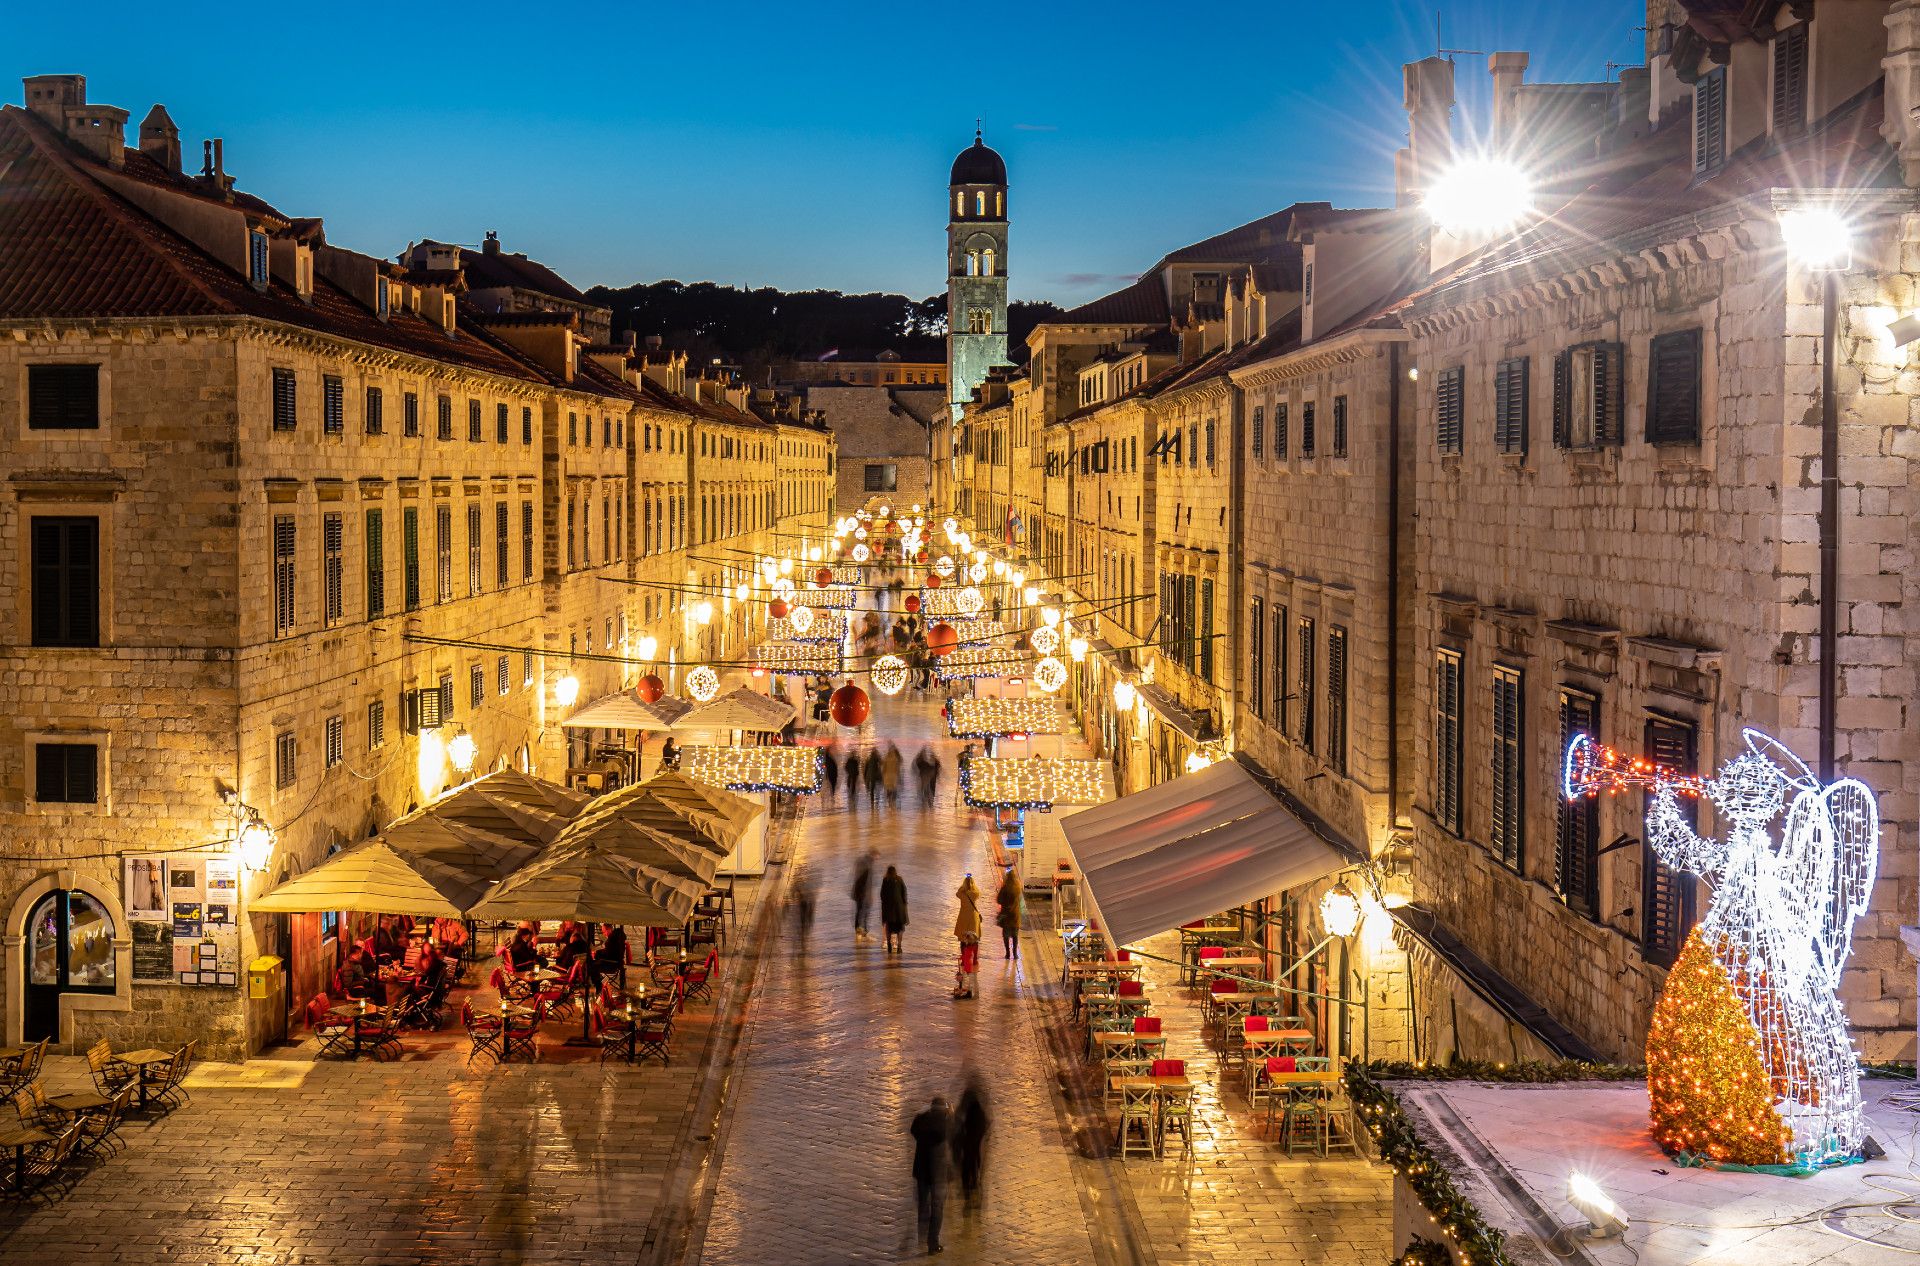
(795, 769)
(628, 711)
(740, 709)
(1190, 848)
(1035, 782)
(988, 718)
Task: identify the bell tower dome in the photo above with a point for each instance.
(976, 269)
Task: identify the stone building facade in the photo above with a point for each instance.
(283, 522)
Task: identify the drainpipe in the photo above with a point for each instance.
(1829, 527)
(1393, 581)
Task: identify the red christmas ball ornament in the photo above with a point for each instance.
(777, 608)
(933, 580)
(913, 604)
(649, 688)
(823, 577)
(941, 638)
(849, 705)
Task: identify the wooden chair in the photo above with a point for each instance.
(1136, 1120)
(46, 1166)
(484, 1032)
(519, 1033)
(1176, 1117)
(380, 1033)
(653, 1036)
(168, 1082)
(616, 1032)
(1126, 1066)
(108, 1076)
(332, 1032)
(100, 1130)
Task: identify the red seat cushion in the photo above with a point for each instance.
(1212, 951)
(1280, 1064)
(1225, 986)
(1148, 1024)
(1255, 1024)
(1131, 989)
(1169, 1068)
(1122, 956)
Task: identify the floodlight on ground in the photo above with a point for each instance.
(1604, 1219)
(1818, 239)
(1480, 196)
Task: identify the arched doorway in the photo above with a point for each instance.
(69, 948)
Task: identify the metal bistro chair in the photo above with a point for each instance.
(616, 1032)
(519, 1032)
(653, 1036)
(46, 1166)
(1137, 1122)
(1126, 1066)
(108, 1077)
(100, 1128)
(378, 1033)
(483, 1031)
(334, 1034)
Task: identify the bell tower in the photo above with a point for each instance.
(976, 270)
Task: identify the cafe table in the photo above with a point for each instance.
(142, 1060)
(19, 1136)
(1102, 967)
(625, 1044)
(1111, 1044)
(352, 1013)
(1261, 1039)
(1243, 965)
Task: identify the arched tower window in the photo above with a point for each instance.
(986, 263)
(1000, 202)
(959, 202)
(973, 263)
(980, 202)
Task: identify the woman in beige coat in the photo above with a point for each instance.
(966, 929)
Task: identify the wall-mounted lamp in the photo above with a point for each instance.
(1904, 331)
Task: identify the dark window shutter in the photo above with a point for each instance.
(1508, 809)
(1710, 120)
(1449, 403)
(1510, 388)
(1339, 426)
(1562, 405)
(333, 405)
(1673, 388)
(1306, 681)
(63, 397)
(376, 550)
(1790, 80)
(1576, 864)
(1446, 741)
(1306, 429)
(1280, 431)
(1609, 426)
(66, 773)
(285, 404)
(1667, 896)
(1282, 682)
(1337, 699)
(1256, 658)
(66, 581)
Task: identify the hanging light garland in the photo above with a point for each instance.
(1049, 674)
(888, 674)
(1031, 782)
(973, 632)
(981, 661)
(703, 683)
(990, 718)
(772, 768)
(799, 659)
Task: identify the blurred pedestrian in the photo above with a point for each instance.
(802, 900)
(966, 930)
(830, 769)
(893, 909)
(926, 770)
(890, 775)
(873, 775)
(970, 1125)
(932, 1132)
(853, 778)
(862, 895)
(1011, 898)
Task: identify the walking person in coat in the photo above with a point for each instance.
(970, 1125)
(932, 1133)
(873, 777)
(1011, 898)
(830, 769)
(890, 775)
(862, 895)
(853, 778)
(926, 768)
(893, 909)
(966, 930)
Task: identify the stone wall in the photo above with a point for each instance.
(871, 426)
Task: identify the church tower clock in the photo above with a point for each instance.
(976, 270)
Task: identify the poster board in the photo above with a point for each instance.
(185, 912)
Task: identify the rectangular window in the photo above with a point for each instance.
(285, 401)
(1205, 647)
(257, 260)
(526, 425)
(606, 528)
(1256, 658)
(1210, 454)
(410, 554)
(1666, 896)
(446, 698)
(1336, 742)
(410, 414)
(66, 773)
(443, 421)
(1576, 851)
(376, 411)
(1449, 407)
(1510, 381)
(376, 564)
(284, 571)
(476, 686)
(333, 534)
(503, 676)
(333, 405)
(1193, 444)
(1447, 735)
(1790, 80)
(589, 436)
(881, 478)
(526, 668)
(573, 429)
(1506, 833)
(443, 552)
(66, 580)
(63, 397)
(500, 568)
(502, 424)
(475, 583)
(1305, 683)
(1587, 396)
(1710, 120)
(1673, 388)
(572, 529)
(1306, 429)
(475, 432)
(286, 760)
(1339, 426)
(376, 724)
(1282, 682)
(526, 540)
(1280, 432)
(336, 742)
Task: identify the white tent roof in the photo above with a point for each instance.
(1189, 848)
(740, 709)
(628, 711)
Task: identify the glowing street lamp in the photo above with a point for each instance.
(649, 646)
(1339, 910)
(1818, 239)
(566, 690)
(1479, 196)
(255, 842)
(462, 751)
(1123, 696)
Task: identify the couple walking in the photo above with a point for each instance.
(967, 926)
(893, 902)
(948, 1142)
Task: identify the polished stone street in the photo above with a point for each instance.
(777, 1135)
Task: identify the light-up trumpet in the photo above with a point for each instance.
(1591, 768)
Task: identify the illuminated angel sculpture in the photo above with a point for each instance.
(1748, 1057)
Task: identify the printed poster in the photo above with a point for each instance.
(186, 919)
(153, 951)
(146, 895)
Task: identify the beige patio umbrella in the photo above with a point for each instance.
(628, 711)
(484, 854)
(672, 802)
(374, 877)
(510, 804)
(740, 709)
(678, 850)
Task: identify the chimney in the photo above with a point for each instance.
(492, 245)
(1403, 191)
(1633, 104)
(1509, 72)
(160, 139)
(1429, 85)
(49, 96)
(101, 130)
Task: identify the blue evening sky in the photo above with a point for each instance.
(798, 145)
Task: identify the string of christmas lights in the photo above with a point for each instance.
(1030, 782)
(799, 659)
(826, 626)
(980, 661)
(791, 769)
(991, 718)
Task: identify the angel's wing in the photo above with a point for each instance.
(1830, 852)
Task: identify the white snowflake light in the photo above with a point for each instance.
(1045, 640)
(888, 674)
(977, 573)
(861, 553)
(703, 683)
(1049, 674)
(944, 566)
(801, 618)
(969, 601)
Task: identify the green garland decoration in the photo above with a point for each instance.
(1469, 1240)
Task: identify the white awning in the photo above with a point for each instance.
(628, 711)
(1190, 848)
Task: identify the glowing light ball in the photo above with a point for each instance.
(703, 613)
(823, 578)
(969, 601)
(703, 683)
(977, 573)
(849, 705)
(1049, 674)
(740, 593)
(786, 569)
(649, 646)
(462, 751)
(888, 674)
(913, 604)
(566, 690)
(1031, 593)
(785, 588)
(1044, 640)
(1051, 615)
(649, 688)
(861, 553)
(941, 638)
(943, 565)
(1123, 696)
(1077, 648)
(801, 619)
(859, 534)
(777, 609)
(1339, 908)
